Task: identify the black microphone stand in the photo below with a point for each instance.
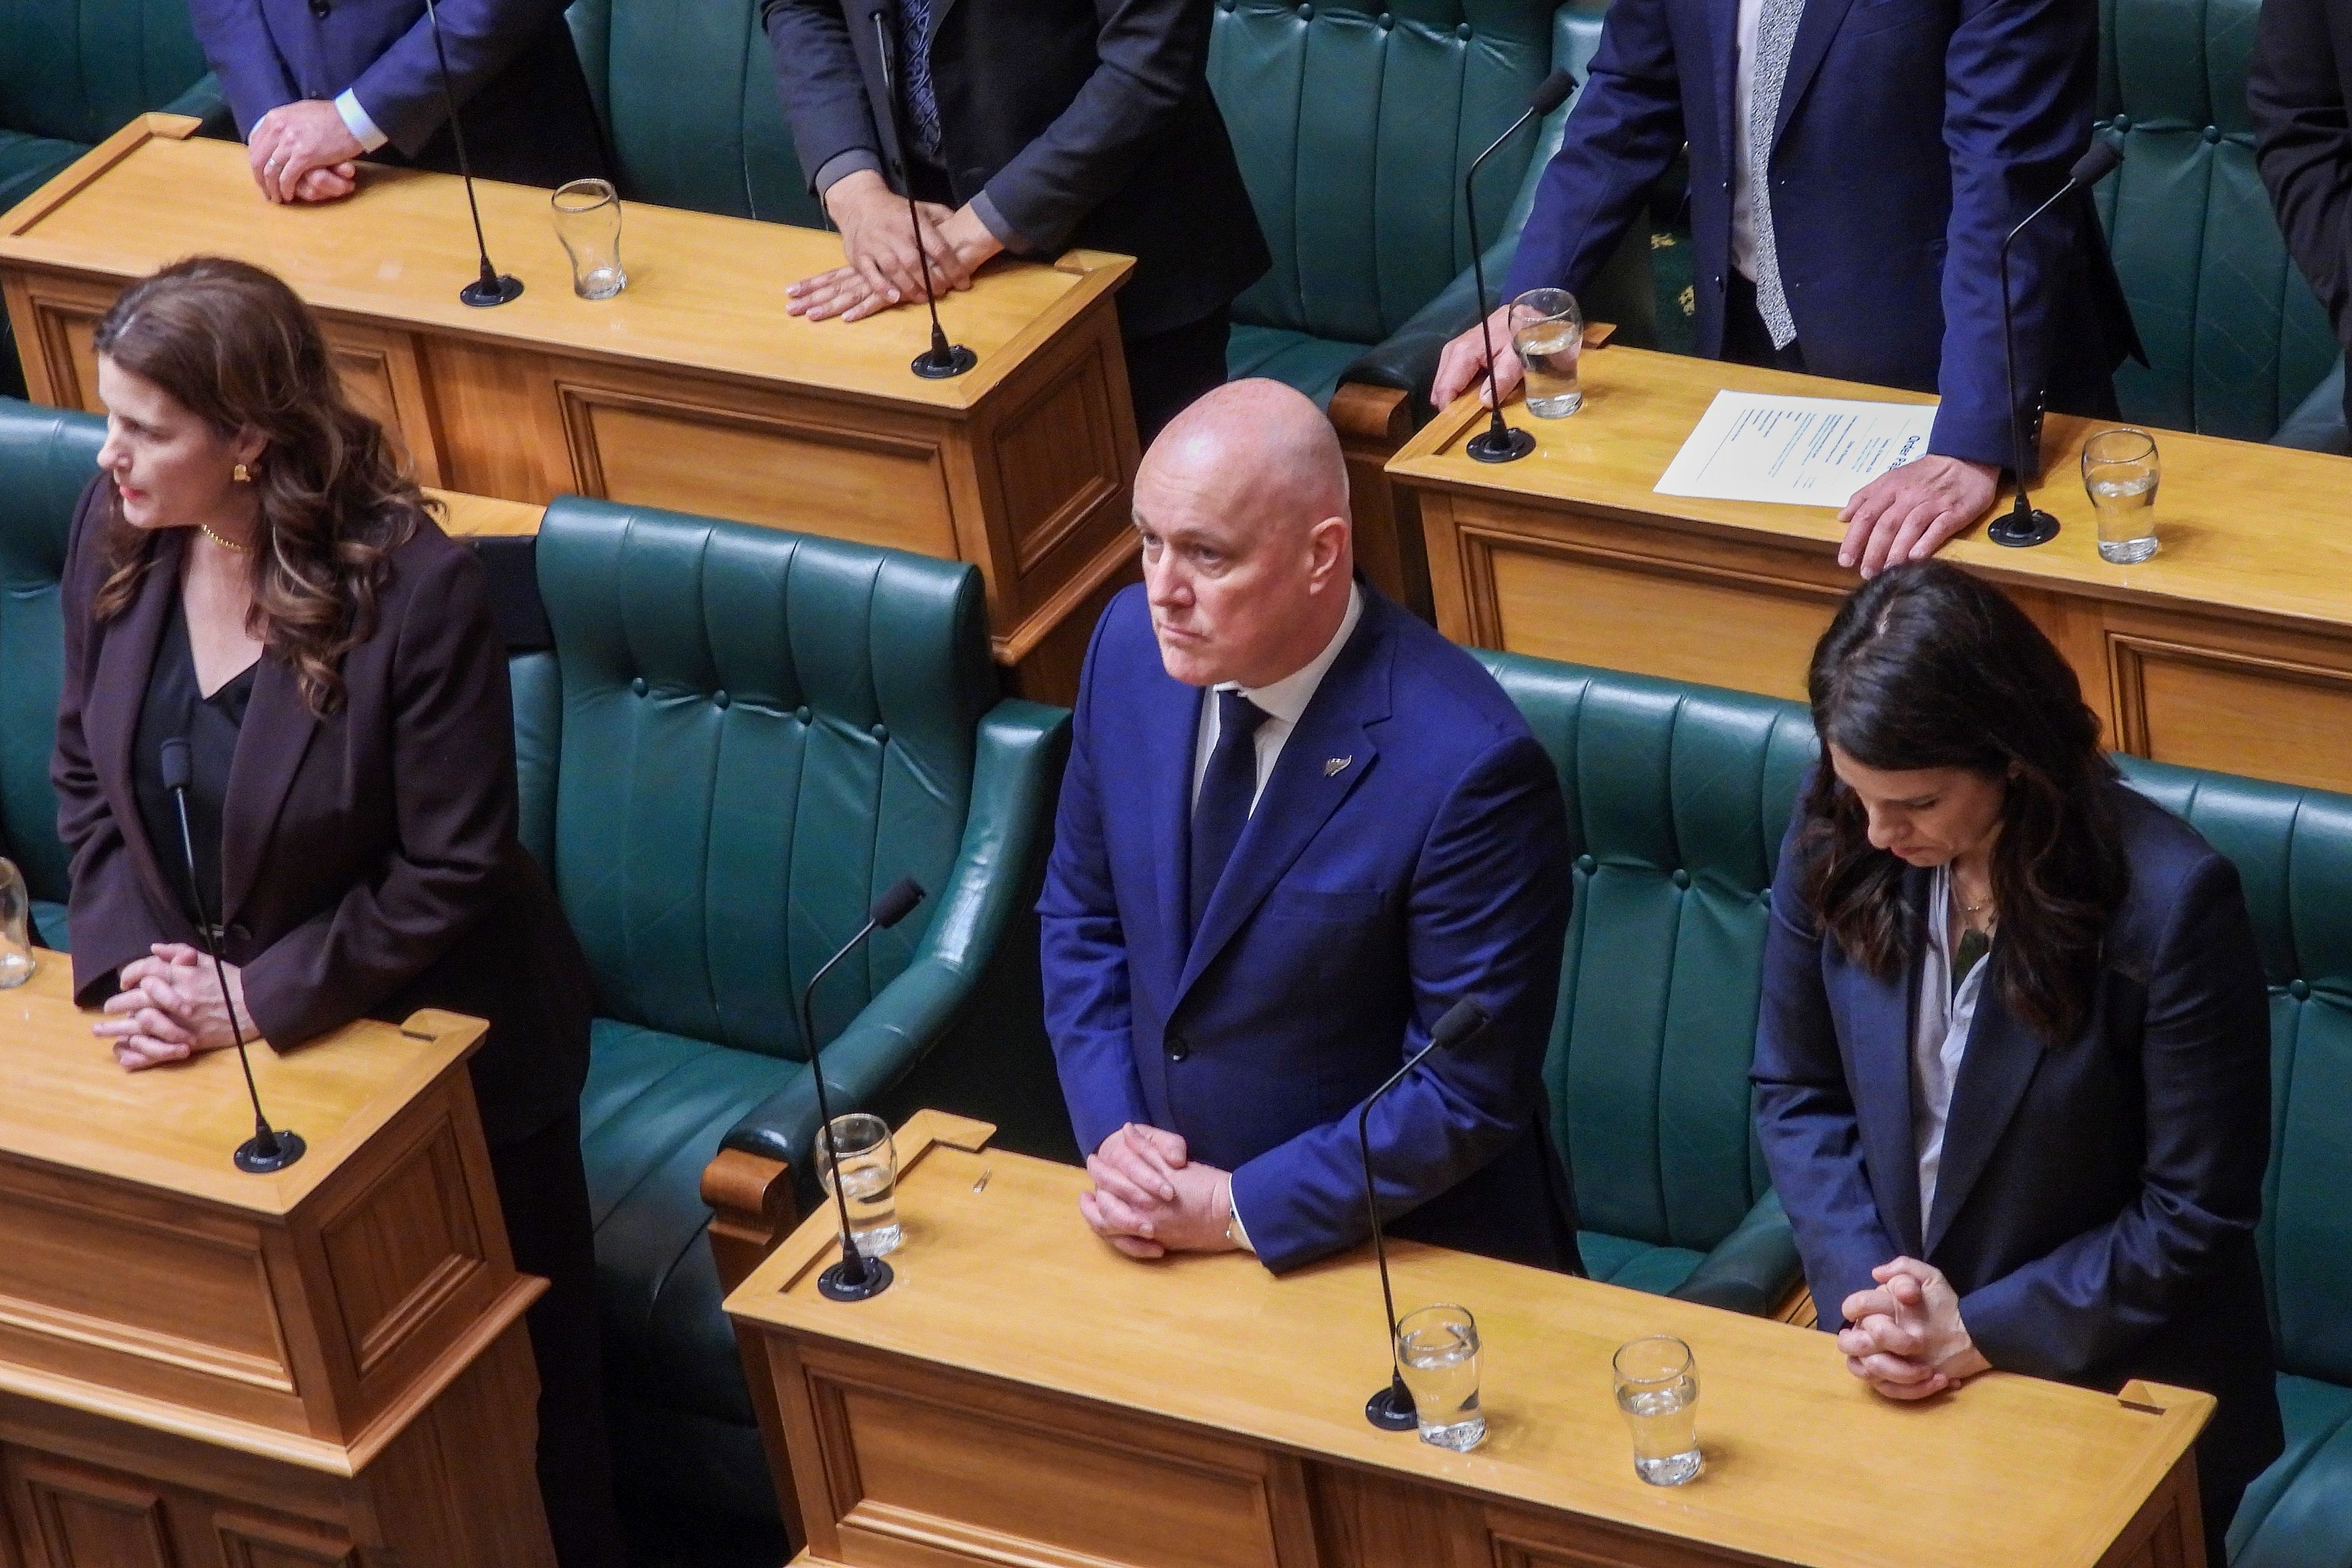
(2026, 524)
(857, 1277)
(493, 287)
(943, 359)
(1392, 1408)
(268, 1150)
(1499, 443)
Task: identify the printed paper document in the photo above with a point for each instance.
(1809, 451)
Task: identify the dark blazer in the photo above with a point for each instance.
(1911, 135)
(513, 66)
(1409, 850)
(2096, 1203)
(369, 862)
(2297, 85)
(1089, 122)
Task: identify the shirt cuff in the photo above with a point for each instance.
(355, 119)
(845, 162)
(1237, 1230)
(983, 207)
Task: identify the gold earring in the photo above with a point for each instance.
(241, 474)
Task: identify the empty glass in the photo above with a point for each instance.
(1657, 1388)
(2119, 469)
(588, 222)
(1548, 334)
(15, 928)
(870, 1164)
(1437, 1350)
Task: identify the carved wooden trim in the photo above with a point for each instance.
(2128, 653)
(579, 401)
(752, 1208)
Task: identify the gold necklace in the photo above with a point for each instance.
(206, 530)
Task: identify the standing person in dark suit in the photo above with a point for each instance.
(250, 572)
(2298, 85)
(1037, 125)
(2012, 1065)
(1297, 828)
(1853, 167)
(317, 85)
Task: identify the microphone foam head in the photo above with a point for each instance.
(897, 902)
(2097, 164)
(1460, 1021)
(1553, 92)
(177, 773)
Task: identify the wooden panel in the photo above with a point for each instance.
(1653, 619)
(495, 411)
(2234, 713)
(380, 373)
(404, 1250)
(1368, 1521)
(250, 1540)
(1058, 461)
(84, 1518)
(875, 490)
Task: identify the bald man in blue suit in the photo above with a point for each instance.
(1298, 826)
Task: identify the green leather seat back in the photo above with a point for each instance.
(1677, 796)
(47, 455)
(760, 731)
(77, 70)
(1355, 121)
(2234, 337)
(686, 91)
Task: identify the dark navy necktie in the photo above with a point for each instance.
(1227, 788)
(922, 97)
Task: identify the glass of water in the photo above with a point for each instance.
(588, 222)
(1657, 1389)
(1437, 1350)
(15, 928)
(1548, 334)
(2119, 469)
(869, 1165)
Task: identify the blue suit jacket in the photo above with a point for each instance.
(1911, 135)
(1362, 900)
(2096, 1201)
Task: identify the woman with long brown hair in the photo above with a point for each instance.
(2012, 1068)
(253, 576)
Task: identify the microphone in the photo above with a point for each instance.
(493, 287)
(856, 1276)
(943, 359)
(1392, 1409)
(268, 1150)
(2027, 524)
(1499, 443)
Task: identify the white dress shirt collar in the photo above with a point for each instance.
(1287, 699)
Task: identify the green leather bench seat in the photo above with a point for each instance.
(1677, 796)
(2298, 1513)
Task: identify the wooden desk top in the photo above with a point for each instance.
(998, 1275)
(2247, 530)
(704, 292)
(172, 1128)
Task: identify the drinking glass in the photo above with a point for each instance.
(15, 928)
(1548, 333)
(1657, 1388)
(588, 222)
(869, 1165)
(2119, 469)
(1437, 1350)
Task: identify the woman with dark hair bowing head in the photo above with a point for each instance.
(252, 572)
(2012, 1067)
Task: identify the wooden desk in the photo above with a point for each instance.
(1021, 1395)
(205, 1369)
(692, 390)
(2231, 649)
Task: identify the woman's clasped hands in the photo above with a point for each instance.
(1905, 1338)
(170, 1007)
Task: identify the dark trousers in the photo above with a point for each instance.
(543, 1193)
(1167, 371)
(534, 123)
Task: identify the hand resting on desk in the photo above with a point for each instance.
(302, 152)
(1908, 513)
(169, 1007)
(884, 266)
(1906, 1339)
(1149, 1200)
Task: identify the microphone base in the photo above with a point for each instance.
(250, 1159)
(835, 1284)
(484, 292)
(2036, 527)
(1506, 445)
(930, 368)
(1392, 1409)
